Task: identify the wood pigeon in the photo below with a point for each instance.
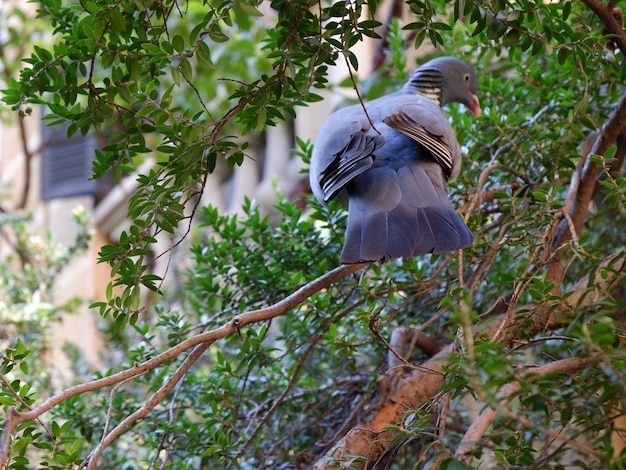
(390, 165)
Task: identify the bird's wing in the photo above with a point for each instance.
(343, 151)
(429, 127)
(350, 161)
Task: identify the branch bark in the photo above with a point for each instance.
(404, 339)
(584, 185)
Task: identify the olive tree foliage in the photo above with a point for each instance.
(277, 358)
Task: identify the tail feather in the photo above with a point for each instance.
(421, 221)
(445, 231)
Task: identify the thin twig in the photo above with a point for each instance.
(352, 79)
(251, 436)
(114, 390)
(482, 180)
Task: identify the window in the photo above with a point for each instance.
(65, 163)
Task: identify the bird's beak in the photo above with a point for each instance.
(475, 107)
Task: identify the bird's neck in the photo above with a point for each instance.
(430, 93)
(427, 84)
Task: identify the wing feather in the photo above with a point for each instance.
(351, 161)
(436, 144)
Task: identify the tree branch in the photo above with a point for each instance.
(28, 157)
(402, 392)
(92, 460)
(584, 185)
(404, 339)
(15, 417)
(480, 196)
(612, 26)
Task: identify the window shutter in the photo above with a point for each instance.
(66, 163)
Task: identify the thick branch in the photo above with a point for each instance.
(404, 339)
(405, 392)
(590, 172)
(584, 185)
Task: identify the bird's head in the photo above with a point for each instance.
(446, 80)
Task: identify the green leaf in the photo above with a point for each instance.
(152, 48)
(248, 9)
(217, 35)
(567, 9)
(178, 43)
(204, 55)
(185, 69)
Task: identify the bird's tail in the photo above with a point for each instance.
(399, 214)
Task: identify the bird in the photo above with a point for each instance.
(389, 158)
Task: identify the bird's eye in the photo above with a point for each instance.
(466, 77)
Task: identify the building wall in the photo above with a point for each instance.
(53, 217)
